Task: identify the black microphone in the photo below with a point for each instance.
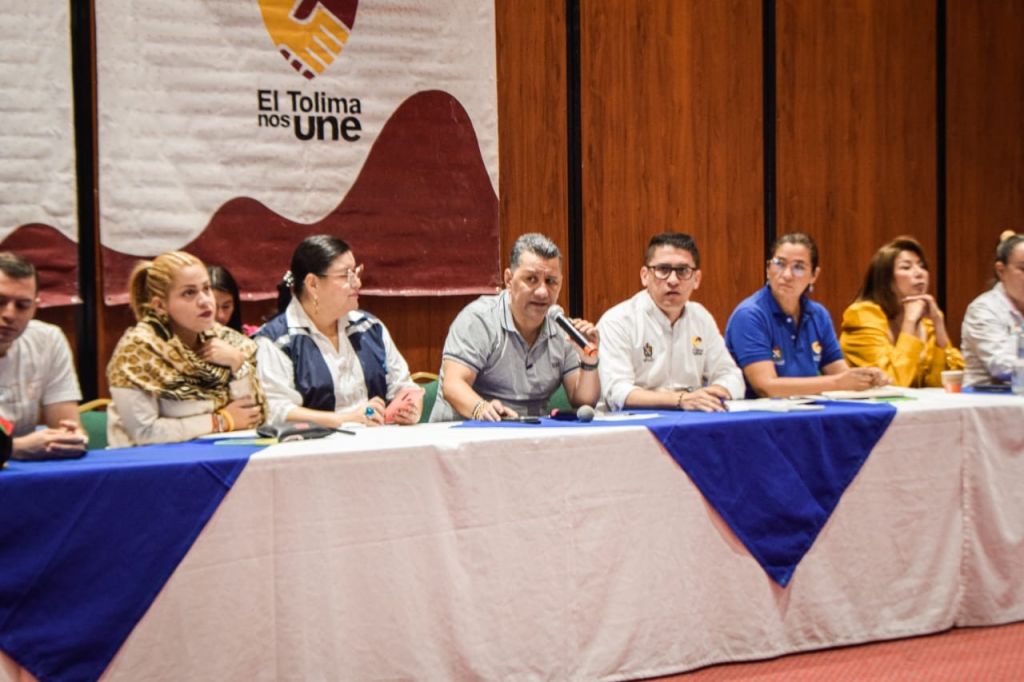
(558, 315)
(584, 414)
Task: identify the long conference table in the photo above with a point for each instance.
(432, 552)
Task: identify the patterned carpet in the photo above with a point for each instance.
(984, 654)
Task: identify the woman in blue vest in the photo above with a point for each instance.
(785, 342)
(321, 359)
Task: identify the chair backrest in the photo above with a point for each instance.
(428, 382)
(560, 401)
(94, 420)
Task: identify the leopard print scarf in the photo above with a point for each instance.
(151, 358)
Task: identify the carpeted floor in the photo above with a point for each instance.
(968, 654)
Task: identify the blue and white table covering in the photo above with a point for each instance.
(431, 552)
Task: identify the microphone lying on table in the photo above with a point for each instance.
(584, 414)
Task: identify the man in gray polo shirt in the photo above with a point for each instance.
(504, 355)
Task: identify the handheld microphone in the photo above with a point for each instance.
(584, 414)
(558, 315)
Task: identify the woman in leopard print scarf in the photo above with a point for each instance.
(177, 374)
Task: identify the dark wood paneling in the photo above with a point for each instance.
(856, 131)
(984, 145)
(531, 47)
(671, 119)
(418, 325)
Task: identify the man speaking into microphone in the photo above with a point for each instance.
(661, 349)
(506, 355)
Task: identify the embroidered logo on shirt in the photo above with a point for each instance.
(816, 349)
(648, 353)
(777, 356)
(698, 345)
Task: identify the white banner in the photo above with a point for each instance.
(38, 206)
(235, 129)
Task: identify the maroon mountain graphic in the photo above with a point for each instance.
(55, 257)
(422, 215)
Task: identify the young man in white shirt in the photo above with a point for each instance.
(37, 378)
(659, 348)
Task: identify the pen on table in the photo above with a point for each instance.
(345, 431)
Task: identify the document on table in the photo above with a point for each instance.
(773, 405)
(866, 394)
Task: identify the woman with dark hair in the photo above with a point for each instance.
(227, 303)
(895, 324)
(322, 359)
(995, 319)
(782, 340)
(177, 374)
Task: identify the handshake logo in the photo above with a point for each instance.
(309, 33)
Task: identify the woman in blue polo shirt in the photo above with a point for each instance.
(782, 340)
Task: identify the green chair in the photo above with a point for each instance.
(560, 401)
(428, 382)
(94, 420)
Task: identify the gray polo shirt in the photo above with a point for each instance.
(484, 338)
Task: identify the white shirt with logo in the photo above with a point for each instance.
(36, 371)
(641, 349)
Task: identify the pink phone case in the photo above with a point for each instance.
(406, 396)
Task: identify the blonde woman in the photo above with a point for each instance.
(178, 374)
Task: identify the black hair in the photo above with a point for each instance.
(314, 255)
(16, 267)
(800, 239)
(676, 240)
(221, 280)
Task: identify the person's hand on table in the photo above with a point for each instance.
(492, 411)
(861, 379)
(703, 399)
(67, 440)
(370, 413)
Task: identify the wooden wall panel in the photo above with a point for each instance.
(856, 131)
(671, 125)
(532, 120)
(984, 145)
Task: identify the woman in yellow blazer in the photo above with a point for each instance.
(895, 324)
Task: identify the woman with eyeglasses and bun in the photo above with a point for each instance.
(895, 324)
(994, 321)
(324, 361)
(782, 340)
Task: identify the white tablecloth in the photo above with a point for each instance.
(437, 553)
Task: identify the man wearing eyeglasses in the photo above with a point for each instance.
(660, 349)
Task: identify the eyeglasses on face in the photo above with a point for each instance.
(351, 275)
(779, 265)
(663, 271)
